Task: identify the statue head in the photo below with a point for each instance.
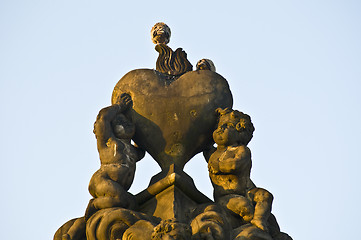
(160, 33)
(171, 229)
(206, 64)
(234, 127)
(122, 127)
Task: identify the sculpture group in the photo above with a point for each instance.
(174, 113)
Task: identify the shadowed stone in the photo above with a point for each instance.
(174, 118)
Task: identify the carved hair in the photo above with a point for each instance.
(206, 64)
(242, 122)
(166, 226)
(160, 33)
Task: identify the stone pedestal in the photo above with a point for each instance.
(171, 194)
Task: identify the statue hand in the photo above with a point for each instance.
(126, 99)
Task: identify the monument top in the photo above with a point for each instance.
(174, 112)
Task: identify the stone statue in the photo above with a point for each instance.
(205, 64)
(109, 185)
(230, 167)
(160, 33)
(173, 113)
(171, 229)
(169, 62)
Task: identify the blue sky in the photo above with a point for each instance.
(293, 66)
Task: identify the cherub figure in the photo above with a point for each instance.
(230, 166)
(109, 185)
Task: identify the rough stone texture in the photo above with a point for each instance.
(160, 33)
(171, 196)
(174, 113)
(174, 118)
(171, 62)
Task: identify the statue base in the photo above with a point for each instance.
(171, 194)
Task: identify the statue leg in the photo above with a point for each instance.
(238, 205)
(263, 205)
(76, 231)
(125, 200)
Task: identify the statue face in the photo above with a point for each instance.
(226, 134)
(205, 64)
(160, 33)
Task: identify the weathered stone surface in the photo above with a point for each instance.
(171, 113)
(174, 118)
(65, 232)
(112, 223)
(171, 194)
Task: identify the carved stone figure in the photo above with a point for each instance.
(170, 229)
(173, 113)
(171, 63)
(230, 167)
(160, 33)
(206, 64)
(118, 223)
(109, 185)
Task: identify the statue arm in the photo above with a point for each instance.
(102, 126)
(140, 151)
(208, 152)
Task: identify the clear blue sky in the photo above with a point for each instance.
(294, 66)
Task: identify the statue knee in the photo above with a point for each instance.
(260, 195)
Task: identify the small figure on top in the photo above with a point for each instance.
(169, 62)
(160, 33)
(206, 64)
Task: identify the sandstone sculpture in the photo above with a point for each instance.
(174, 113)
